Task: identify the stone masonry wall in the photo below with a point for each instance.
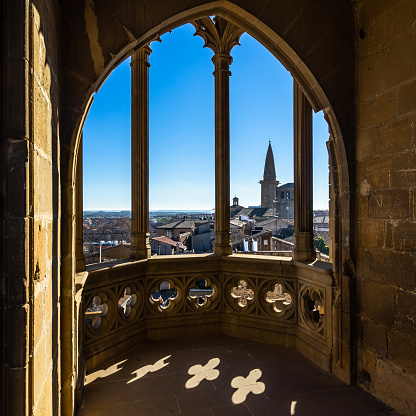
(30, 209)
(386, 209)
(46, 208)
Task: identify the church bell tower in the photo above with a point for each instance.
(269, 182)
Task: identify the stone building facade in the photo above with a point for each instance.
(285, 200)
(353, 60)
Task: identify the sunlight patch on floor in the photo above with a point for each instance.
(103, 373)
(141, 372)
(200, 373)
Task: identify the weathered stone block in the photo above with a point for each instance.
(401, 235)
(17, 340)
(395, 136)
(402, 350)
(39, 367)
(43, 186)
(389, 204)
(377, 303)
(367, 140)
(17, 283)
(43, 127)
(371, 233)
(377, 110)
(366, 364)
(39, 322)
(17, 92)
(403, 170)
(43, 402)
(390, 267)
(406, 97)
(362, 205)
(374, 338)
(406, 313)
(16, 159)
(18, 387)
(402, 52)
(395, 387)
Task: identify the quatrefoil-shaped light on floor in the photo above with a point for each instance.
(127, 301)
(206, 372)
(94, 313)
(279, 297)
(243, 293)
(164, 295)
(201, 292)
(247, 385)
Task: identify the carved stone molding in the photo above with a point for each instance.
(219, 34)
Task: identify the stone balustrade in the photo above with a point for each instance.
(269, 299)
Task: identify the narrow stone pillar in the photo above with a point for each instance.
(221, 36)
(222, 74)
(140, 247)
(79, 242)
(302, 115)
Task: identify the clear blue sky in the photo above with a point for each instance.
(182, 128)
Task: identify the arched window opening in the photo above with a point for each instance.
(173, 153)
(321, 186)
(261, 149)
(107, 171)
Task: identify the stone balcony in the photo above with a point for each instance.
(145, 328)
(220, 376)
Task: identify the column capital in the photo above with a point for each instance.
(141, 55)
(219, 34)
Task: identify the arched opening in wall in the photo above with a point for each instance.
(321, 186)
(107, 170)
(181, 144)
(261, 112)
(310, 87)
(181, 167)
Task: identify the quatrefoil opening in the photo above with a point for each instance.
(127, 301)
(201, 292)
(279, 298)
(94, 313)
(164, 295)
(242, 293)
(314, 307)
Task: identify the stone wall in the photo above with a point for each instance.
(385, 208)
(30, 284)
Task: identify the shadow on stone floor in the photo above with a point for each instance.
(229, 376)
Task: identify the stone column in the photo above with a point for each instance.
(221, 36)
(222, 74)
(140, 247)
(79, 242)
(302, 114)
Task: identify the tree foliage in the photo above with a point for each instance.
(319, 243)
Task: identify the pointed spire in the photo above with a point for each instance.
(269, 169)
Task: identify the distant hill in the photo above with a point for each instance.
(127, 213)
(107, 214)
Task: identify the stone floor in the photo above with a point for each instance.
(153, 379)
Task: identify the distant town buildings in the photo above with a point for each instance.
(266, 229)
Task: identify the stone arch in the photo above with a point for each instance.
(317, 94)
(314, 44)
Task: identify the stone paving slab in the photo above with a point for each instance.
(150, 381)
